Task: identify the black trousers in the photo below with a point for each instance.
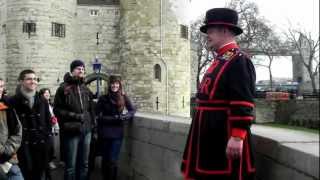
(33, 160)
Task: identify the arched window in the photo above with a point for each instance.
(157, 72)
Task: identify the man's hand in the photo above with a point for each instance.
(234, 147)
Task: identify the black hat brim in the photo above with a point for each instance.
(237, 30)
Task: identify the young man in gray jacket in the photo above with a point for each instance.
(10, 140)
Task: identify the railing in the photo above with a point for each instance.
(310, 95)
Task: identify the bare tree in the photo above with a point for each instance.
(268, 44)
(251, 22)
(307, 48)
(199, 44)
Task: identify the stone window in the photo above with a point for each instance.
(58, 30)
(94, 12)
(157, 72)
(184, 31)
(29, 27)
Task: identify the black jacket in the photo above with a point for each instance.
(35, 121)
(36, 130)
(73, 103)
(110, 120)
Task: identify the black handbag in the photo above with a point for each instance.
(73, 127)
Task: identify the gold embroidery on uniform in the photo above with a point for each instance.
(227, 55)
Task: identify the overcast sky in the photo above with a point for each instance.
(302, 14)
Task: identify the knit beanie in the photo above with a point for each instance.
(75, 64)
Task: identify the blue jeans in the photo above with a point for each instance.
(110, 155)
(111, 149)
(76, 151)
(15, 173)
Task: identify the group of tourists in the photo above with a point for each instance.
(29, 122)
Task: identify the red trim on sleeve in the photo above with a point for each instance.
(242, 103)
(244, 118)
(241, 133)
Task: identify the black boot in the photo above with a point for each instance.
(114, 170)
(109, 171)
(105, 171)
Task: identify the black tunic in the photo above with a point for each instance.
(224, 108)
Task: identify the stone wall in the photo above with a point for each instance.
(283, 154)
(140, 48)
(40, 51)
(153, 148)
(303, 112)
(106, 23)
(176, 53)
(299, 112)
(150, 35)
(265, 110)
(134, 36)
(3, 17)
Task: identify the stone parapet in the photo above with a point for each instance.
(265, 110)
(154, 144)
(286, 154)
(299, 112)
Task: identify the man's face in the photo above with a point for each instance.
(1, 87)
(30, 82)
(214, 37)
(78, 72)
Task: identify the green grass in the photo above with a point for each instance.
(283, 126)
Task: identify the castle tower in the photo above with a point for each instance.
(39, 36)
(97, 34)
(300, 72)
(154, 54)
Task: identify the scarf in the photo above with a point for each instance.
(29, 95)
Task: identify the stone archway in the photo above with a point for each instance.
(90, 78)
(93, 77)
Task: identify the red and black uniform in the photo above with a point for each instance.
(224, 109)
